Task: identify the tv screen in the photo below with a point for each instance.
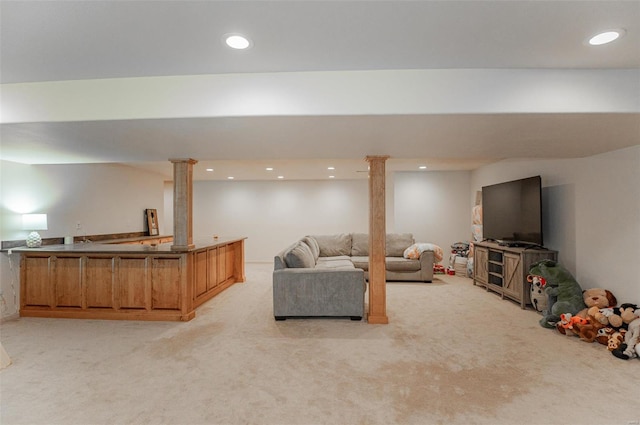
(512, 212)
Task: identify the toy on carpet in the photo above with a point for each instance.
(616, 339)
(620, 317)
(604, 334)
(570, 323)
(594, 299)
(625, 353)
(537, 295)
(564, 294)
(628, 313)
(595, 323)
(597, 297)
(630, 348)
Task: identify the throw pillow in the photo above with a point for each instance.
(334, 245)
(397, 243)
(313, 244)
(300, 256)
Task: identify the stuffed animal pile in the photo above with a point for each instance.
(591, 314)
(563, 293)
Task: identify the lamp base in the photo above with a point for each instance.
(34, 240)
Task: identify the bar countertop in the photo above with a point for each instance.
(93, 247)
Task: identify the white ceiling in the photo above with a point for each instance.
(89, 40)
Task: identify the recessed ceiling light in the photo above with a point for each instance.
(606, 37)
(269, 168)
(237, 41)
(230, 178)
(332, 177)
(209, 169)
(331, 168)
(423, 167)
(280, 177)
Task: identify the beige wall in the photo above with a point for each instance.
(274, 214)
(434, 206)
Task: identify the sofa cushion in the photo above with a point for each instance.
(313, 244)
(335, 263)
(334, 245)
(337, 257)
(299, 256)
(359, 244)
(395, 264)
(397, 243)
(360, 262)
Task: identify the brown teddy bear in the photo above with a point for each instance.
(597, 297)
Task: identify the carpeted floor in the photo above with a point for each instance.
(451, 354)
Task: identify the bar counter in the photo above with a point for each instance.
(129, 281)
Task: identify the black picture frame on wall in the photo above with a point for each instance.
(152, 221)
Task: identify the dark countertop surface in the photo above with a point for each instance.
(165, 248)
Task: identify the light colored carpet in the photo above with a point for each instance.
(451, 354)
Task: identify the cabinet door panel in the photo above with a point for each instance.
(212, 256)
(165, 283)
(229, 260)
(481, 264)
(132, 282)
(222, 273)
(68, 282)
(201, 272)
(99, 282)
(37, 290)
(513, 277)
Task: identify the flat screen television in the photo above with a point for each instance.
(512, 212)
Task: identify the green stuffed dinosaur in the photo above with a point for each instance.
(564, 294)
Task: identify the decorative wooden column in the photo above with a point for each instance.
(182, 204)
(377, 241)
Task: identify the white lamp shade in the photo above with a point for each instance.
(34, 221)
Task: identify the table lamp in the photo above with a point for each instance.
(34, 222)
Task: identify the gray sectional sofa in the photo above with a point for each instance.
(325, 275)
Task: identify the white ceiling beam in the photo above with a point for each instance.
(391, 92)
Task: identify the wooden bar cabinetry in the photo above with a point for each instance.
(132, 282)
(504, 269)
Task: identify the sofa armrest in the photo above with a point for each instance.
(426, 265)
(318, 292)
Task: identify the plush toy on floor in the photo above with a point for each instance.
(597, 297)
(620, 317)
(570, 323)
(564, 294)
(592, 330)
(631, 346)
(537, 295)
(616, 339)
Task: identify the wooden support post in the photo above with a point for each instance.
(182, 204)
(377, 241)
